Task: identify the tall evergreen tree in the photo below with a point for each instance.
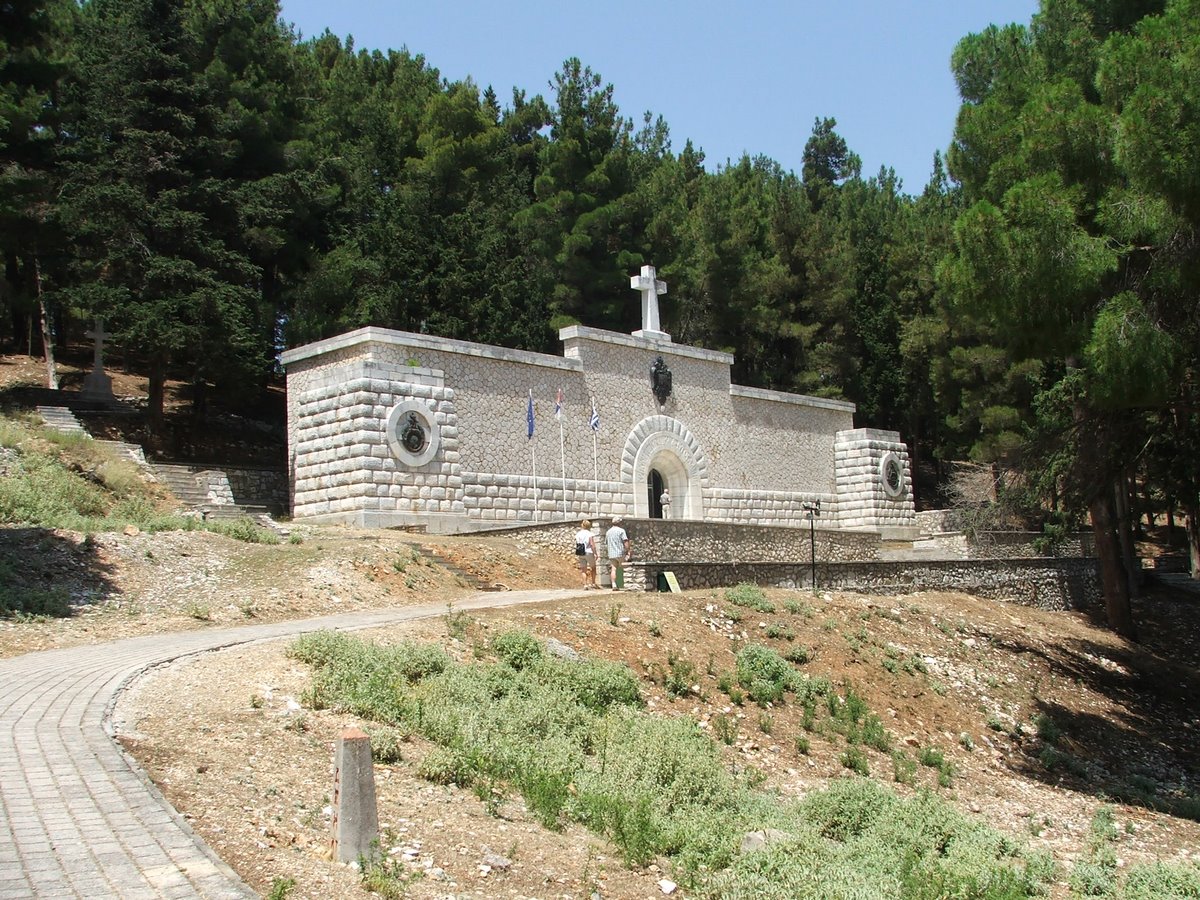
(578, 226)
(144, 197)
(35, 47)
(1063, 252)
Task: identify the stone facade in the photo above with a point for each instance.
(873, 479)
(389, 428)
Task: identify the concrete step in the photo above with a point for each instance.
(467, 578)
(132, 452)
(61, 419)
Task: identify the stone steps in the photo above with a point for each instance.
(61, 419)
(132, 452)
(206, 490)
(467, 578)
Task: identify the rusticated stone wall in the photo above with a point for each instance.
(727, 453)
(865, 500)
(668, 540)
(1052, 584)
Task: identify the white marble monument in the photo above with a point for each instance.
(647, 284)
(390, 428)
(97, 384)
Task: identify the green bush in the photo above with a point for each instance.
(243, 529)
(517, 648)
(18, 601)
(856, 761)
(595, 684)
(857, 839)
(904, 768)
(764, 674)
(750, 596)
(797, 655)
(681, 675)
(569, 736)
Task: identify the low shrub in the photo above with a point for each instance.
(658, 788)
(517, 648)
(764, 674)
(243, 529)
(750, 596)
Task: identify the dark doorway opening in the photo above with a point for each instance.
(654, 489)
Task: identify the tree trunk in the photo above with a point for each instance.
(1124, 523)
(1112, 576)
(156, 391)
(47, 335)
(1193, 538)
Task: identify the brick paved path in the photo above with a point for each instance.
(78, 818)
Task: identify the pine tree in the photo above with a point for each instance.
(143, 197)
(34, 57)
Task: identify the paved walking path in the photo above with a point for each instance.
(78, 817)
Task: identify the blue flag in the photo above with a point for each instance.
(529, 415)
(594, 421)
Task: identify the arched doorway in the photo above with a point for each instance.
(662, 455)
(654, 488)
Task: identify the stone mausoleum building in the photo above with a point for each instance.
(389, 428)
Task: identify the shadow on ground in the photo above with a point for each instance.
(1140, 743)
(49, 573)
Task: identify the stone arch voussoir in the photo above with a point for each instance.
(666, 443)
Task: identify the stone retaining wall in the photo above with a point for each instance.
(253, 486)
(1058, 584)
(1012, 545)
(720, 543)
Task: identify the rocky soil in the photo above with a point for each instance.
(229, 741)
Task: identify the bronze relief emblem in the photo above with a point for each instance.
(660, 380)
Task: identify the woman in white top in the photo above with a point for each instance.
(585, 552)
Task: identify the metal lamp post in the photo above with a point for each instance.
(813, 510)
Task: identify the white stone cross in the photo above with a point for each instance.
(98, 335)
(97, 385)
(648, 285)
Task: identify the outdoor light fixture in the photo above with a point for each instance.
(812, 509)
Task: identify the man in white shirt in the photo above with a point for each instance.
(618, 552)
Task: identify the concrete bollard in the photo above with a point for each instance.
(355, 818)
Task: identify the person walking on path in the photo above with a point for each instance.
(618, 552)
(585, 553)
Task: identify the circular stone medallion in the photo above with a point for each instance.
(891, 473)
(412, 433)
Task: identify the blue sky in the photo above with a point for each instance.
(733, 77)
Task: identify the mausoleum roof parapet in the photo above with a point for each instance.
(407, 339)
(575, 333)
(737, 390)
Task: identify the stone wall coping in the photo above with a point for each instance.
(374, 334)
(869, 434)
(737, 390)
(668, 348)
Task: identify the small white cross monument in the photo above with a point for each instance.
(98, 384)
(648, 285)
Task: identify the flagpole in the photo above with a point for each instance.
(532, 451)
(562, 448)
(562, 451)
(594, 424)
(533, 456)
